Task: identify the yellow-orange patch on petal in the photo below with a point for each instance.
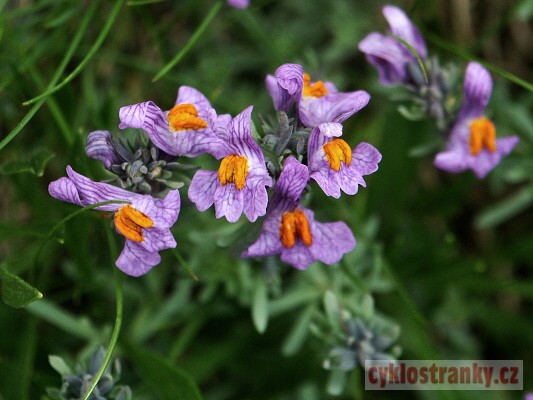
(233, 168)
(482, 136)
(337, 152)
(294, 225)
(317, 89)
(130, 222)
(185, 117)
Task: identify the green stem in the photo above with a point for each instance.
(194, 38)
(184, 264)
(467, 56)
(118, 318)
(95, 47)
(64, 62)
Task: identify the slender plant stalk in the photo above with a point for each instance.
(84, 24)
(90, 54)
(193, 39)
(439, 42)
(118, 319)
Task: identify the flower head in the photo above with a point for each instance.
(291, 230)
(144, 220)
(334, 165)
(318, 102)
(472, 143)
(240, 183)
(388, 54)
(189, 129)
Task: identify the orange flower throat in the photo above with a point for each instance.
(482, 135)
(185, 117)
(130, 222)
(337, 152)
(317, 89)
(294, 225)
(233, 168)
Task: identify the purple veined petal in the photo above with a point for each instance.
(149, 117)
(402, 27)
(135, 260)
(335, 107)
(292, 180)
(268, 243)
(163, 212)
(157, 239)
(190, 95)
(228, 202)
(291, 78)
(239, 3)
(485, 161)
(299, 256)
(331, 241)
(64, 189)
(319, 136)
(240, 138)
(385, 53)
(281, 98)
(202, 189)
(477, 91)
(365, 158)
(349, 179)
(255, 196)
(328, 180)
(99, 146)
(95, 192)
(222, 126)
(452, 160)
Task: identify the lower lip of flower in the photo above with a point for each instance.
(317, 89)
(482, 136)
(184, 117)
(130, 222)
(294, 225)
(337, 152)
(233, 169)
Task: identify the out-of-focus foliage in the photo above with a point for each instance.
(446, 258)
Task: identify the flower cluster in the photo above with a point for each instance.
(470, 134)
(308, 144)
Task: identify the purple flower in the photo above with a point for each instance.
(472, 143)
(318, 102)
(321, 102)
(239, 184)
(189, 129)
(239, 3)
(291, 230)
(100, 147)
(389, 55)
(285, 87)
(334, 165)
(144, 220)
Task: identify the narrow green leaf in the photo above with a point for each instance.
(299, 332)
(194, 38)
(58, 364)
(260, 305)
(336, 382)
(332, 309)
(506, 209)
(167, 381)
(17, 292)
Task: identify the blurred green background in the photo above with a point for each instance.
(449, 258)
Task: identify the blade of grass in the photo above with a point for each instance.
(84, 24)
(118, 319)
(193, 39)
(415, 53)
(90, 54)
(439, 42)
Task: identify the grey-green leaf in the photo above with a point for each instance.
(260, 306)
